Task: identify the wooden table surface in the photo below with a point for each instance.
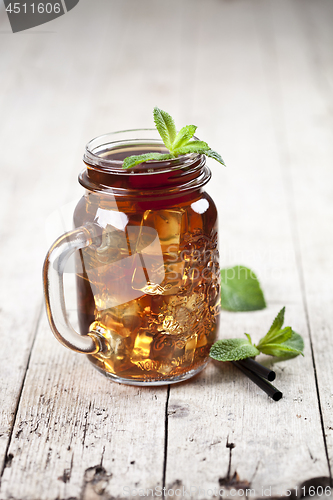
(257, 77)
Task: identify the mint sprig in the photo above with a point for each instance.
(283, 343)
(180, 143)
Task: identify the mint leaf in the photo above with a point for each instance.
(215, 155)
(183, 136)
(240, 290)
(193, 147)
(232, 350)
(165, 126)
(282, 335)
(278, 337)
(283, 343)
(132, 161)
(295, 342)
(276, 326)
(278, 349)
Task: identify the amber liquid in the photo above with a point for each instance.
(151, 287)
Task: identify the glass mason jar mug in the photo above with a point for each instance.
(147, 271)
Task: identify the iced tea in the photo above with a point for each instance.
(149, 284)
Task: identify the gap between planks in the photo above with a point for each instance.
(166, 437)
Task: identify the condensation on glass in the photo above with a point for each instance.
(147, 268)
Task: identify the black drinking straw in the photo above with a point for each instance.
(257, 368)
(266, 386)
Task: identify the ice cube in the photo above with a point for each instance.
(142, 345)
(184, 352)
(124, 319)
(143, 239)
(170, 225)
(160, 231)
(113, 246)
(190, 347)
(116, 343)
(148, 262)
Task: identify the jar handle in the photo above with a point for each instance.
(53, 272)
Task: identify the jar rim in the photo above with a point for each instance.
(129, 137)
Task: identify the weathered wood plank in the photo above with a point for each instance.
(221, 407)
(42, 455)
(307, 120)
(29, 169)
(76, 430)
(19, 273)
